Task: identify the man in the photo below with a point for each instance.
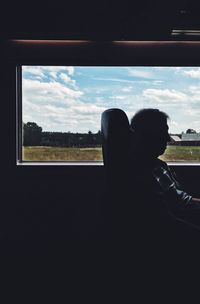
(156, 185)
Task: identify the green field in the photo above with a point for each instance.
(172, 153)
(61, 154)
(182, 153)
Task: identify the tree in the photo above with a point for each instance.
(99, 138)
(89, 139)
(190, 131)
(32, 134)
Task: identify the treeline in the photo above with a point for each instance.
(34, 136)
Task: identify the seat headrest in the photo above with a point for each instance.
(114, 122)
(115, 136)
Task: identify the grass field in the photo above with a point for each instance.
(182, 153)
(172, 153)
(61, 154)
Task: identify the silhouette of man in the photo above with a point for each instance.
(156, 185)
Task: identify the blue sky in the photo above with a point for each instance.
(66, 98)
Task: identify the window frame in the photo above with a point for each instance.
(24, 56)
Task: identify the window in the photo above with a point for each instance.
(62, 106)
(125, 74)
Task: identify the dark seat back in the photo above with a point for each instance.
(115, 144)
(115, 136)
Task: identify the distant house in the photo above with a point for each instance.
(190, 139)
(175, 140)
(185, 139)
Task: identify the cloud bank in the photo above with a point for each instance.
(60, 98)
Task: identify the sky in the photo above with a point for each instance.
(71, 98)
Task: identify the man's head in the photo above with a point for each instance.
(150, 130)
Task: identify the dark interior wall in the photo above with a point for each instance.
(68, 202)
(45, 203)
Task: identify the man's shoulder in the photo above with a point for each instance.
(160, 163)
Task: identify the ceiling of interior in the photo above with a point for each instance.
(99, 20)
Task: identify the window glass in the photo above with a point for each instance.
(62, 106)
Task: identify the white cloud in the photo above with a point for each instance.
(140, 73)
(77, 118)
(52, 71)
(56, 107)
(158, 82)
(192, 112)
(127, 89)
(173, 123)
(114, 79)
(120, 97)
(193, 73)
(53, 110)
(165, 95)
(34, 70)
(52, 98)
(194, 89)
(88, 109)
(70, 70)
(66, 79)
(53, 74)
(37, 90)
(173, 126)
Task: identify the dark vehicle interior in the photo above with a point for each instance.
(44, 205)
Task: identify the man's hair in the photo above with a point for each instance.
(147, 118)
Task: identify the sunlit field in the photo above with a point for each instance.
(61, 154)
(182, 153)
(173, 153)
